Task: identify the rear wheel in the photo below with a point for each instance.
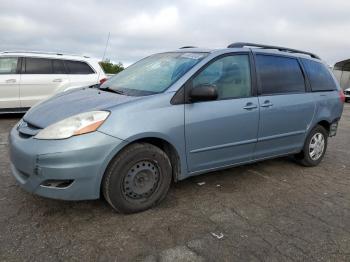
(314, 148)
(137, 179)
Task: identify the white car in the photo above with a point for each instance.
(26, 78)
(347, 94)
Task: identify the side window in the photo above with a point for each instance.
(230, 74)
(8, 65)
(38, 66)
(78, 68)
(319, 76)
(279, 75)
(58, 67)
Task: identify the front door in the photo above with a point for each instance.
(9, 83)
(222, 132)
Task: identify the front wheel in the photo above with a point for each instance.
(138, 178)
(314, 148)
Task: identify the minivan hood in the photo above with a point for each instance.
(71, 103)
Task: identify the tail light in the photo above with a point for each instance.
(103, 80)
(342, 96)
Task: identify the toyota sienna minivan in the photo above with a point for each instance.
(174, 115)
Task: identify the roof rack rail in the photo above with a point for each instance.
(39, 52)
(188, 46)
(279, 48)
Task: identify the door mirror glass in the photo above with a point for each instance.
(203, 93)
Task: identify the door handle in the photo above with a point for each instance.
(57, 80)
(250, 106)
(267, 103)
(10, 81)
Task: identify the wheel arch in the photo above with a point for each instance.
(303, 156)
(321, 122)
(325, 124)
(177, 160)
(168, 148)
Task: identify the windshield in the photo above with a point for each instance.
(153, 74)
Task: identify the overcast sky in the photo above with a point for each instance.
(140, 28)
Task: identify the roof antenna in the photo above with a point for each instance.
(104, 55)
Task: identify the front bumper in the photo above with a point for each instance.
(80, 160)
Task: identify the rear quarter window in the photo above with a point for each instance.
(58, 67)
(78, 68)
(319, 76)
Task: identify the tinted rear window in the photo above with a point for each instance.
(279, 75)
(58, 67)
(38, 66)
(77, 67)
(319, 76)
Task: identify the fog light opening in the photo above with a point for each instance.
(57, 183)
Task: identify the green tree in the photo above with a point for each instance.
(111, 68)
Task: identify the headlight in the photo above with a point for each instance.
(74, 125)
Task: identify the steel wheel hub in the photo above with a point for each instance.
(141, 180)
(316, 146)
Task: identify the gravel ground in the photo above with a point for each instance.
(270, 211)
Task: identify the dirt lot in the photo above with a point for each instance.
(270, 211)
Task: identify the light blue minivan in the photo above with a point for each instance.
(174, 115)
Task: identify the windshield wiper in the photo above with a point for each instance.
(117, 91)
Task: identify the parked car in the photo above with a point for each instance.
(29, 77)
(174, 115)
(347, 94)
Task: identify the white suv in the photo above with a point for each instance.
(29, 77)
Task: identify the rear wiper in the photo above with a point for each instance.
(117, 91)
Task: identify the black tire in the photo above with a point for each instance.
(304, 157)
(137, 179)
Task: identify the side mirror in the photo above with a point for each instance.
(204, 92)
